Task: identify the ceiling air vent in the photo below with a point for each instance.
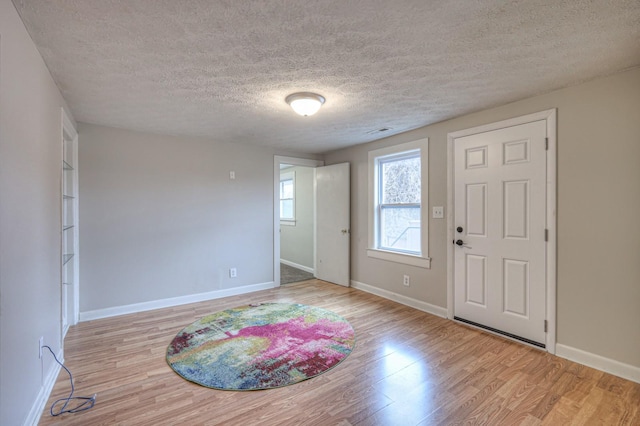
(382, 130)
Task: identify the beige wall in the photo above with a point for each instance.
(30, 223)
(160, 218)
(598, 213)
(296, 242)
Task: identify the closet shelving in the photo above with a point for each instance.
(69, 226)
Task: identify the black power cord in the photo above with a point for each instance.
(85, 402)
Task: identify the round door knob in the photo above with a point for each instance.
(459, 229)
(459, 242)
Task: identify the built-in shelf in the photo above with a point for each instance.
(69, 226)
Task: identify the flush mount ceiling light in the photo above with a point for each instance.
(305, 103)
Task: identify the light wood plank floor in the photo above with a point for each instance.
(408, 368)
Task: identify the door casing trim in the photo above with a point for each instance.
(551, 217)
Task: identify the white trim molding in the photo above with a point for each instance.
(45, 391)
(173, 301)
(422, 259)
(406, 259)
(549, 116)
(298, 266)
(405, 300)
(608, 365)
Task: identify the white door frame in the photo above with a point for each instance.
(550, 117)
(277, 160)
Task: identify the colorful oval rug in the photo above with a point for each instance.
(261, 346)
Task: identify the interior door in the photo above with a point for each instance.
(332, 223)
(499, 219)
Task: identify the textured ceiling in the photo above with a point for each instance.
(222, 68)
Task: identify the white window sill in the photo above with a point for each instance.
(287, 222)
(407, 259)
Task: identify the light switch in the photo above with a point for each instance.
(438, 212)
(232, 175)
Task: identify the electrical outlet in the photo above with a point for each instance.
(233, 273)
(438, 212)
(406, 281)
(40, 345)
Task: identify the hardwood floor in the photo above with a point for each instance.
(408, 368)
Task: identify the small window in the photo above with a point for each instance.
(287, 197)
(398, 203)
(398, 191)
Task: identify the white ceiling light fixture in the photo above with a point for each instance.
(305, 103)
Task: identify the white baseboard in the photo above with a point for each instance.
(173, 301)
(409, 301)
(295, 265)
(45, 391)
(617, 368)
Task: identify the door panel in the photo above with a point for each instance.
(476, 210)
(515, 278)
(516, 209)
(476, 275)
(500, 202)
(333, 223)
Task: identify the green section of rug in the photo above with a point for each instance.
(261, 346)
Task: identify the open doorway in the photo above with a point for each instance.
(297, 223)
(294, 219)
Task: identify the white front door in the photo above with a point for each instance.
(499, 230)
(332, 223)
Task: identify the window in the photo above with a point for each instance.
(398, 195)
(397, 192)
(287, 197)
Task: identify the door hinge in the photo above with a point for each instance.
(546, 235)
(546, 144)
(546, 325)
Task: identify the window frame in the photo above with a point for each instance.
(381, 206)
(376, 157)
(285, 176)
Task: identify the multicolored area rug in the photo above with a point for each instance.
(261, 346)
